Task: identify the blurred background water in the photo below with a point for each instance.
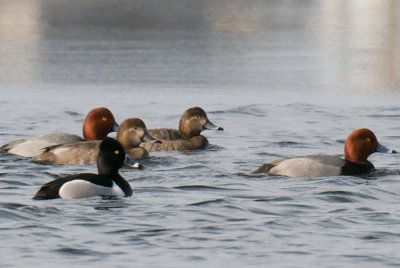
(283, 78)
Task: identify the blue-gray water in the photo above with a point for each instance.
(284, 78)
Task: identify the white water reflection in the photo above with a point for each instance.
(289, 45)
(360, 41)
(20, 33)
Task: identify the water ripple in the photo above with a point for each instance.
(78, 251)
(344, 196)
(255, 110)
(208, 202)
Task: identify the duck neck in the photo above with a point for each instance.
(123, 184)
(106, 170)
(199, 142)
(187, 132)
(90, 134)
(354, 154)
(127, 142)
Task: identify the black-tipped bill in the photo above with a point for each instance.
(147, 137)
(382, 149)
(135, 165)
(211, 126)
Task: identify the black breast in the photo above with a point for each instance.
(351, 168)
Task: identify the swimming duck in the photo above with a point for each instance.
(107, 182)
(193, 121)
(130, 134)
(97, 124)
(358, 146)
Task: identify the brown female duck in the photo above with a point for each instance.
(130, 134)
(193, 121)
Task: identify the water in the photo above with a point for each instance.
(283, 78)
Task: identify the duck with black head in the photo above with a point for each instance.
(359, 145)
(108, 182)
(188, 137)
(97, 124)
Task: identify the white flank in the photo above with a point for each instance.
(308, 167)
(82, 188)
(30, 148)
(60, 150)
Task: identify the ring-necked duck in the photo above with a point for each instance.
(107, 182)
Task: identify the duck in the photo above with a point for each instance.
(96, 126)
(188, 137)
(359, 145)
(108, 182)
(131, 133)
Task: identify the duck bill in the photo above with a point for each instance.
(209, 125)
(148, 138)
(115, 127)
(382, 149)
(135, 165)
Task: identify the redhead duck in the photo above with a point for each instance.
(358, 146)
(97, 124)
(130, 134)
(107, 182)
(193, 121)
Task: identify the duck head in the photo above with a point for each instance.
(193, 121)
(360, 144)
(111, 157)
(132, 132)
(98, 123)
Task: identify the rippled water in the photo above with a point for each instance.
(283, 78)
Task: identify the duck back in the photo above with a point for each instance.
(165, 134)
(194, 143)
(84, 152)
(167, 145)
(31, 147)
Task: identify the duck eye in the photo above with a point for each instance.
(197, 117)
(116, 152)
(104, 119)
(368, 139)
